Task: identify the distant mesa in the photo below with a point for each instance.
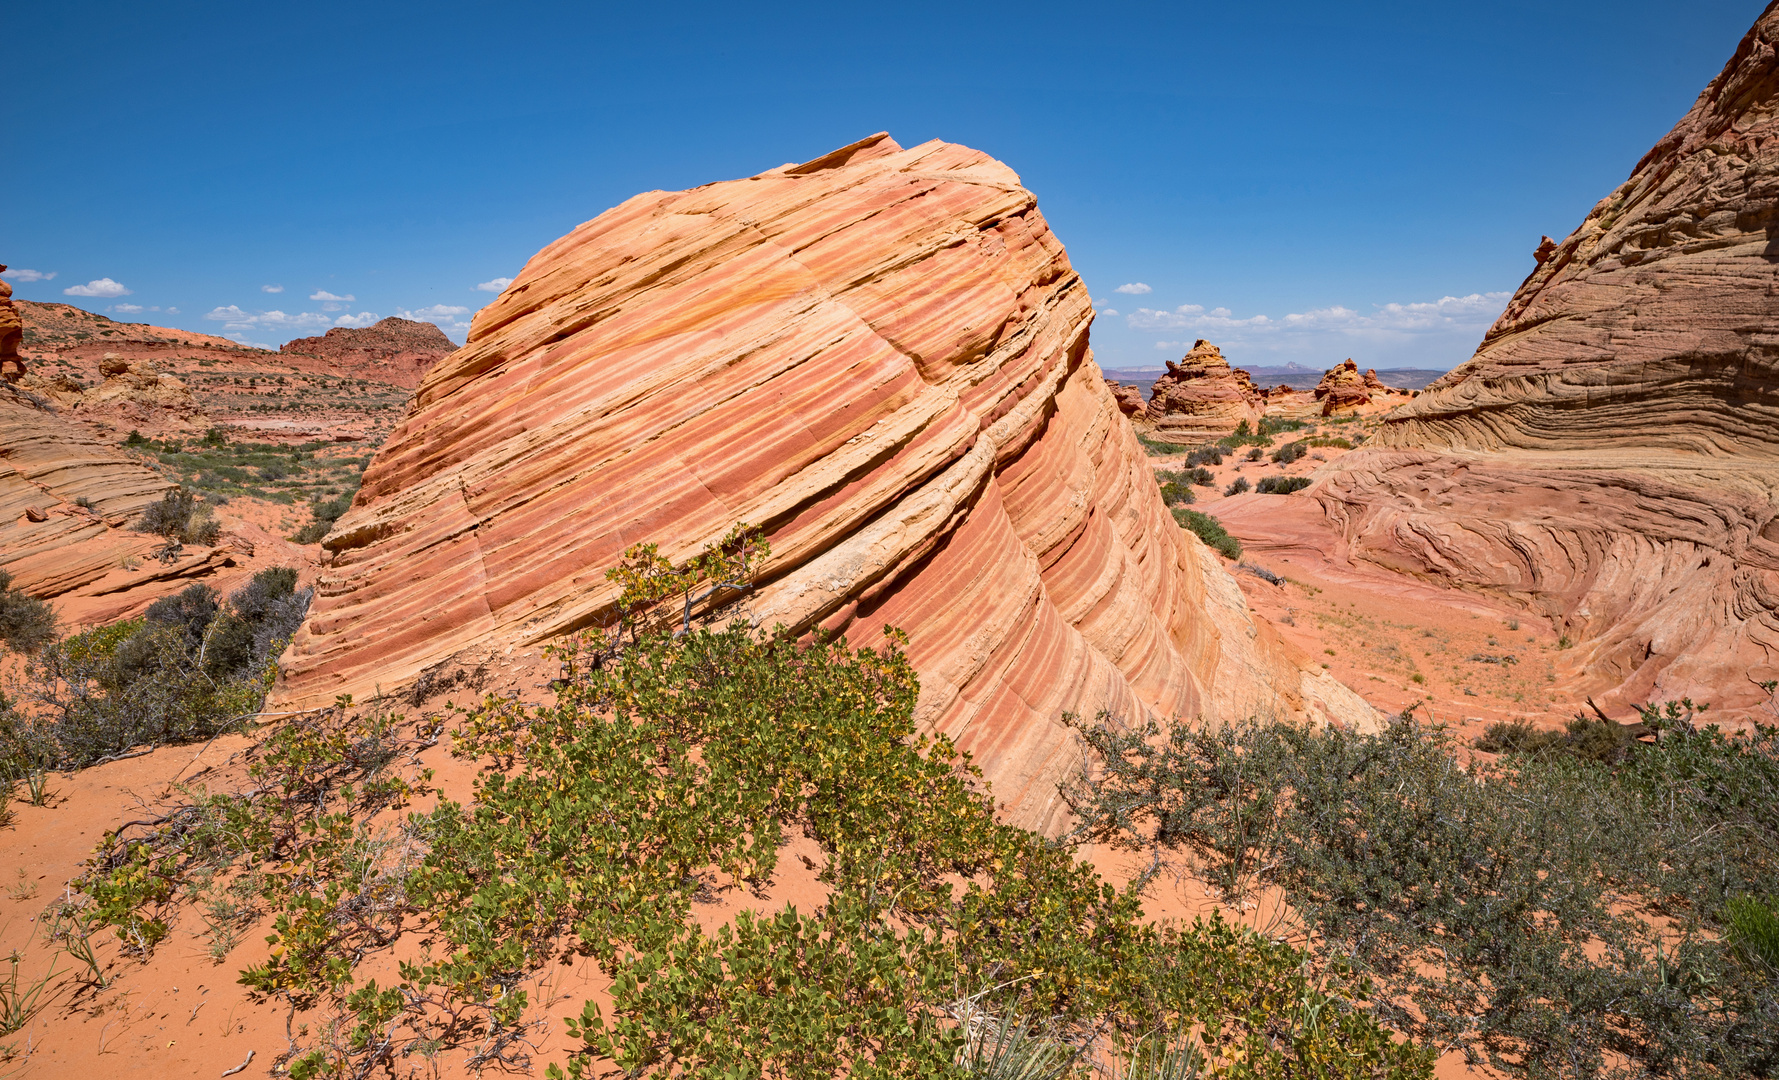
(397, 351)
(880, 357)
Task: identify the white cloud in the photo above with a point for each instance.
(1109, 311)
(101, 287)
(1134, 288)
(128, 309)
(323, 294)
(496, 285)
(360, 320)
(1473, 312)
(242, 339)
(20, 274)
(436, 311)
(234, 318)
(172, 311)
(271, 288)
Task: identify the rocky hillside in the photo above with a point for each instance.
(880, 357)
(395, 351)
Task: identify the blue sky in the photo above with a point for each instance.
(1295, 181)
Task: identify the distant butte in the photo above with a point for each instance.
(397, 351)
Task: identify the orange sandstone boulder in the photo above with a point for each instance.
(881, 358)
(1201, 396)
(1342, 388)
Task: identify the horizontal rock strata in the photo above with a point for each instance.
(397, 351)
(880, 357)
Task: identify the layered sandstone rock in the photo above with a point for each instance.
(880, 357)
(1656, 322)
(1201, 396)
(398, 351)
(1607, 459)
(1129, 398)
(68, 504)
(1343, 389)
(12, 332)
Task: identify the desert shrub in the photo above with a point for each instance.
(1589, 737)
(1176, 488)
(181, 519)
(26, 623)
(1753, 931)
(1236, 486)
(1277, 425)
(1334, 441)
(1158, 447)
(681, 754)
(326, 512)
(184, 671)
(1282, 485)
(1244, 435)
(1290, 452)
(1255, 454)
(1205, 455)
(1506, 908)
(1210, 530)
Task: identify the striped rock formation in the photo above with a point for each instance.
(1201, 396)
(1609, 458)
(880, 357)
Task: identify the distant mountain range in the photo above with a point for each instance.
(1296, 376)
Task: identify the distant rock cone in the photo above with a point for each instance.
(1342, 387)
(880, 356)
(1201, 396)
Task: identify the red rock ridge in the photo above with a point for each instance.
(881, 358)
(397, 351)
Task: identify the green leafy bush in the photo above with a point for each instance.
(1176, 488)
(1282, 485)
(1210, 530)
(681, 754)
(326, 512)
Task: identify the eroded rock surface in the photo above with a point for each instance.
(881, 358)
(1129, 398)
(1201, 396)
(1343, 389)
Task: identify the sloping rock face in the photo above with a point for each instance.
(398, 351)
(1610, 455)
(880, 357)
(1655, 323)
(1342, 389)
(1201, 396)
(12, 333)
